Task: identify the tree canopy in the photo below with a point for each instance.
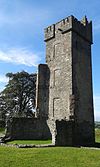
(18, 97)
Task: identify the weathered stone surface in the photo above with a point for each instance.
(64, 135)
(42, 91)
(28, 128)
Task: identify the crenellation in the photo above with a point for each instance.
(65, 20)
(84, 21)
(49, 32)
(84, 29)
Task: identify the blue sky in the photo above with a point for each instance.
(22, 24)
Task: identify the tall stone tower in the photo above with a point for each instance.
(65, 82)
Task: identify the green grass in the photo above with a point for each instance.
(49, 157)
(97, 135)
(30, 142)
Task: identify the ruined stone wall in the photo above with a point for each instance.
(28, 128)
(42, 91)
(64, 135)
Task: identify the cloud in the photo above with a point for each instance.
(3, 79)
(97, 108)
(20, 56)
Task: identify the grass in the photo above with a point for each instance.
(97, 134)
(49, 157)
(30, 142)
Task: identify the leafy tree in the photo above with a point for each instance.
(2, 108)
(18, 97)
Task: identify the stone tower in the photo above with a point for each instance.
(64, 93)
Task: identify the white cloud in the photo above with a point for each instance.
(19, 56)
(3, 79)
(97, 108)
(3, 82)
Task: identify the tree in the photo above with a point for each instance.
(18, 97)
(2, 108)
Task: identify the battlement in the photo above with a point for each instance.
(61, 26)
(50, 32)
(82, 28)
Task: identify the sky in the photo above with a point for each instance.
(22, 24)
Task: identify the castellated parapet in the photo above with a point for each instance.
(83, 28)
(69, 97)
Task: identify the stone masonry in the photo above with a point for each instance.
(27, 128)
(64, 87)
